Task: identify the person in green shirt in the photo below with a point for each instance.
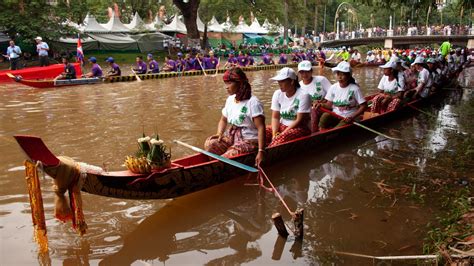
(445, 48)
(344, 54)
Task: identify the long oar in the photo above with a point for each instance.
(218, 157)
(359, 125)
(138, 78)
(202, 68)
(421, 111)
(217, 66)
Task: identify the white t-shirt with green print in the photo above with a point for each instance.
(300, 102)
(345, 101)
(317, 88)
(241, 114)
(390, 87)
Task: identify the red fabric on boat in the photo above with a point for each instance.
(48, 72)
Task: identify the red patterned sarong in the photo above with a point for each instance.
(379, 107)
(231, 144)
(315, 115)
(290, 134)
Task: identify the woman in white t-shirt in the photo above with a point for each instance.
(390, 90)
(316, 87)
(424, 82)
(244, 113)
(344, 98)
(290, 109)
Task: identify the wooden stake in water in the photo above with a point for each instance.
(298, 221)
(280, 225)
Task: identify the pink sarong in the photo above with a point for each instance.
(231, 144)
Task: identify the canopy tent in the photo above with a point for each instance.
(227, 25)
(117, 41)
(214, 26)
(200, 24)
(92, 26)
(176, 25)
(157, 23)
(149, 42)
(136, 24)
(115, 25)
(256, 28)
(70, 44)
(243, 28)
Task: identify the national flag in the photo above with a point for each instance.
(79, 53)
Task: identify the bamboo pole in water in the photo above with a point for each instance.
(280, 225)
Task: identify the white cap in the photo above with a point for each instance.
(418, 60)
(342, 67)
(305, 66)
(38, 38)
(389, 64)
(285, 73)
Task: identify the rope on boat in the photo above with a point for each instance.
(273, 189)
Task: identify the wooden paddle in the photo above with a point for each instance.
(218, 157)
(421, 111)
(358, 124)
(136, 76)
(202, 68)
(217, 66)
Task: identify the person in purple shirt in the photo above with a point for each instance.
(180, 62)
(231, 62)
(210, 62)
(114, 68)
(141, 66)
(170, 65)
(250, 60)
(242, 60)
(283, 60)
(96, 70)
(152, 65)
(267, 60)
(189, 63)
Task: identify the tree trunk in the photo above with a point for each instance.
(316, 16)
(285, 23)
(305, 20)
(204, 38)
(189, 11)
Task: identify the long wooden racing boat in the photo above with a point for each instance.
(48, 72)
(198, 171)
(50, 83)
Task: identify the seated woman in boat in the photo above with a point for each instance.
(291, 107)
(390, 90)
(316, 87)
(96, 70)
(344, 98)
(244, 113)
(114, 68)
(370, 58)
(69, 70)
(423, 82)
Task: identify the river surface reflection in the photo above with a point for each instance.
(229, 223)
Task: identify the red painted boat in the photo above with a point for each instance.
(50, 83)
(32, 73)
(198, 171)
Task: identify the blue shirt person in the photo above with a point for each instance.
(42, 48)
(13, 54)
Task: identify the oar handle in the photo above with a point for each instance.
(218, 157)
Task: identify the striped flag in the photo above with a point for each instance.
(79, 53)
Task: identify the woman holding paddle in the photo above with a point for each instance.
(344, 98)
(244, 113)
(390, 90)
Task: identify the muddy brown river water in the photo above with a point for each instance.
(231, 223)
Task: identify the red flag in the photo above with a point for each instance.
(79, 53)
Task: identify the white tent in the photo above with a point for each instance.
(200, 24)
(214, 26)
(256, 28)
(71, 43)
(115, 41)
(227, 25)
(115, 25)
(136, 23)
(176, 25)
(92, 26)
(243, 28)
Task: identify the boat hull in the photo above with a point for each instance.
(33, 73)
(197, 172)
(44, 84)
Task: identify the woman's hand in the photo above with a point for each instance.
(349, 119)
